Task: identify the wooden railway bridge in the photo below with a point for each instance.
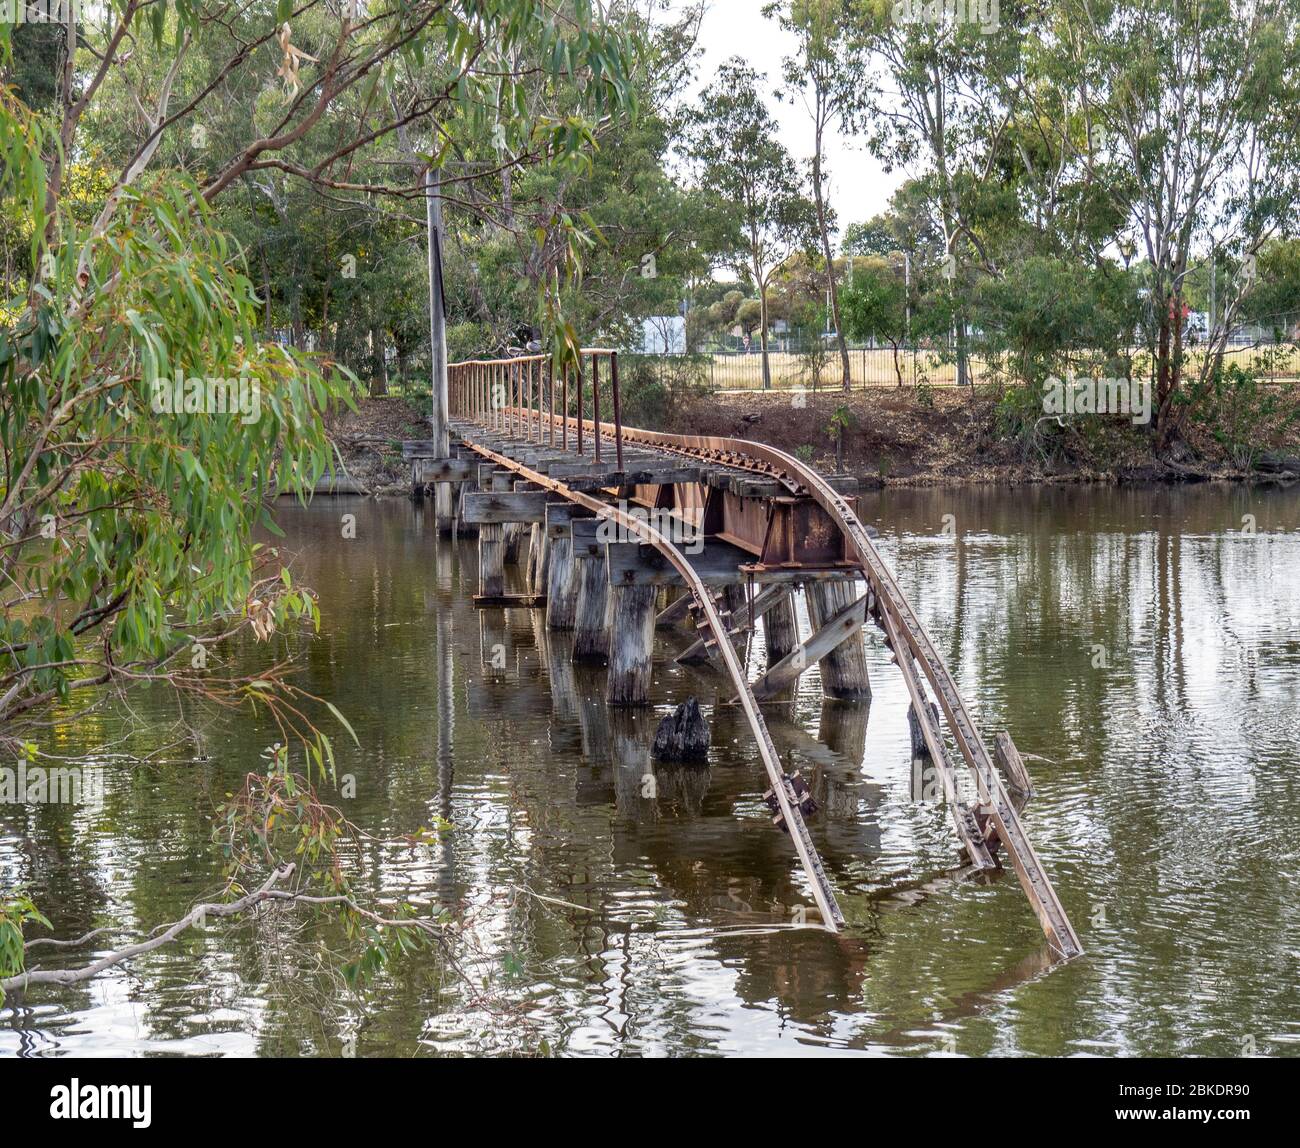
(603, 516)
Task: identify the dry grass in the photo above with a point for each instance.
(875, 368)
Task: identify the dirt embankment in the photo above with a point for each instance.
(904, 438)
(369, 441)
(946, 436)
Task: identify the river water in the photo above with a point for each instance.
(1143, 645)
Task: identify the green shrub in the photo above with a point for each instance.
(653, 388)
(467, 341)
(1018, 417)
(16, 910)
(1239, 410)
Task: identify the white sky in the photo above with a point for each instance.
(859, 188)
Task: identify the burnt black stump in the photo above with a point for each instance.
(683, 735)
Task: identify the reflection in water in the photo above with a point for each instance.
(1142, 649)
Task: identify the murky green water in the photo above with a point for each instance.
(594, 920)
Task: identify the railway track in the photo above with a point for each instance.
(507, 435)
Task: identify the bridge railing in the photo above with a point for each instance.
(518, 396)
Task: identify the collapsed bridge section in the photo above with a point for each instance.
(607, 514)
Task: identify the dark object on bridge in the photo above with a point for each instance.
(683, 735)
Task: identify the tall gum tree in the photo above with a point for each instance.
(939, 96)
(825, 75)
(1194, 100)
(732, 140)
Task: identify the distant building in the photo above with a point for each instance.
(663, 335)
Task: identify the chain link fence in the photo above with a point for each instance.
(1269, 347)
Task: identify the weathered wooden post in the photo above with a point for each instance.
(631, 644)
(564, 408)
(919, 748)
(444, 507)
(492, 509)
(550, 402)
(618, 408)
(844, 669)
(517, 533)
(536, 546)
(491, 555)
(780, 629)
(734, 598)
(528, 427)
(683, 735)
(676, 610)
(465, 529)
(505, 481)
(561, 588)
(590, 623)
(536, 533)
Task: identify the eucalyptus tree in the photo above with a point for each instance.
(876, 305)
(942, 94)
(732, 141)
(873, 236)
(1194, 100)
(132, 481)
(825, 74)
(653, 237)
(1274, 300)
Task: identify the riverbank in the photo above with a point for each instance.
(910, 437)
(946, 436)
(368, 441)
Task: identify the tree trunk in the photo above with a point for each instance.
(266, 297)
(762, 334)
(1164, 388)
(846, 379)
(378, 367)
(1172, 338)
(963, 353)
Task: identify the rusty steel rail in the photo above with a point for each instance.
(906, 637)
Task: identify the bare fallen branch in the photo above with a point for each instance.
(170, 933)
(70, 944)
